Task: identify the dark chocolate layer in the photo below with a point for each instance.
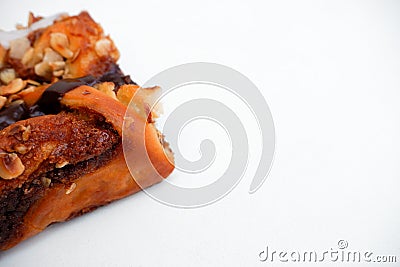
(49, 102)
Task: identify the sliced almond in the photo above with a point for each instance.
(57, 65)
(60, 43)
(33, 82)
(21, 148)
(58, 73)
(13, 87)
(7, 75)
(43, 69)
(108, 89)
(10, 166)
(103, 47)
(28, 56)
(50, 55)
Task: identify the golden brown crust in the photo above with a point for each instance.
(107, 183)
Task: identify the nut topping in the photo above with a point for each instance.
(10, 166)
(20, 148)
(103, 47)
(107, 88)
(50, 55)
(62, 164)
(70, 189)
(59, 42)
(45, 181)
(43, 69)
(13, 87)
(26, 133)
(7, 75)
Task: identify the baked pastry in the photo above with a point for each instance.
(61, 151)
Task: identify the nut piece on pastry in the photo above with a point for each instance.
(61, 129)
(73, 46)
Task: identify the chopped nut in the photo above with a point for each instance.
(28, 56)
(31, 57)
(13, 87)
(58, 73)
(50, 55)
(59, 42)
(16, 129)
(103, 47)
(33, 82)
(43, 69)
(70, 189)
(107, 88)
(57, 65)
(26, 133)
(10, 166)
(2, 101)
(37, 57)
(45, 181)
(62, 164)
(20, 148)
(18, 47)
(51, 60)
(7, 75)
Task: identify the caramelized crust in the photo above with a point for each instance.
(54, 149)
(75, 163)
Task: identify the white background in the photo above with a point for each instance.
(330, 72)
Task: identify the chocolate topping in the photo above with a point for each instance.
(116, 76)
(16, 111)
(117, 79)
(49, 102)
